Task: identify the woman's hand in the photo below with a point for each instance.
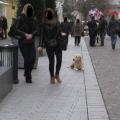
(63, 34)
(40, 50)
(28, 36)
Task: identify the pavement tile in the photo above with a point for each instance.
(77, 98)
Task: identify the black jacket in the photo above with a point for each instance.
(102, 26)
(92, 26)
(50, 30)
(24, 25)
(49, 33)
(65, 27)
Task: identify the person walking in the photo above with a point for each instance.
(51, 30)
(102, 29)
(65, 30)
(118, 28)
(112, 28)
(4, 26)
(92, 26)
(1, 30)
(12, 32)
(26, 29)
(78, 30)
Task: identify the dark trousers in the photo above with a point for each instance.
(102, 37)
(92, 40)
(52, 52)
(67, 40)
(29, 54)
(77, 40)
(113, 40)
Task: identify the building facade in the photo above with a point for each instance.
(8, 9)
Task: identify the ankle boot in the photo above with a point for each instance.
(28, 78)
(58, 78)
(52, 80)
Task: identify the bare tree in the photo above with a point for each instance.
(90, 4)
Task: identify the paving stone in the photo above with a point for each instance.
(78, 97)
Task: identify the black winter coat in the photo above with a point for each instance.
(102, 26)
(24, 25)
(65, 27)
(50, 33)
(92, 26)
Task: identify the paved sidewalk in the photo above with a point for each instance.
(77, 98)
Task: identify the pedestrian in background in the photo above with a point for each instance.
(78, 31)
(1, 30)
(12, 32)
(4, 26)
(26, 29)
(71, 28)
(50, 34)
(92, 26)
(118, 28)
(65, 30)
(112, 28)
(102, 29)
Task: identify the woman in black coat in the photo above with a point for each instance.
(26, 29)
(65, 30)
(50, 40)
(92, 26)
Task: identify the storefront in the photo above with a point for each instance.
(8, 8)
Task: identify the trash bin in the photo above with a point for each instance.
(9, 57)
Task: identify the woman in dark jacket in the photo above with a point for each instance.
(78, 30)
(26, 29)
(92, 26)
(102, 27)
(112, 28)
(65, 30)
(50, 33)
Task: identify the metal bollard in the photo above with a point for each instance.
(9, 57)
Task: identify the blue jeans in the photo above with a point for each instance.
(113, 40)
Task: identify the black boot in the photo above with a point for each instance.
(102, 44)
(28, 79)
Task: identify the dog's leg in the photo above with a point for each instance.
(72, 66)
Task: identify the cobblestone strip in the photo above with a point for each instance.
(95, 103)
